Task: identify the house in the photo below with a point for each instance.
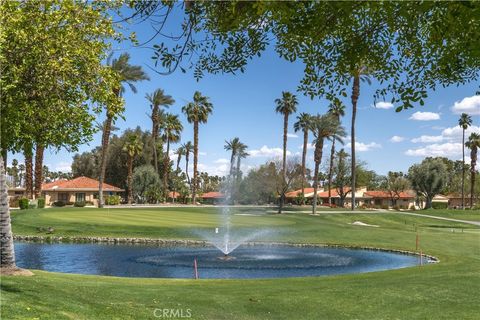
(363, 197)
(382, 199)
(14, 194)
(81, 189)
(213, 197)
(455, 201)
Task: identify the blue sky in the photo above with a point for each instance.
(244, 107)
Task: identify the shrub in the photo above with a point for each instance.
(439, 205)
(79, 204)
(412, 207)
(58, 204)
(13, 202)
(89, 203)
(112, 200)
(69, 203)
(32, 206)
(384, 206)
(300, 199)
(23, 203)
(396, 207)
(41, 203)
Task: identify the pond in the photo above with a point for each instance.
(259, 261)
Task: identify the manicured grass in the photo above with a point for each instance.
(469, 215)
(448, 290)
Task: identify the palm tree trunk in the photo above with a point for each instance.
(130, 179)
(284, 162)
(304, 159)
(154, 136)
(195, 162)
(330, 173)
(232, 160)
(103, 161)
(165, 169)
(179, 158)
(187, 158)
(28, 172)
(7, 252)
(463, 169)
(38, 170)
(473, 157)
(318, 160)
(355, 95)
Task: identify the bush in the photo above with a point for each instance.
(384, 206)
(112, 200)
(58, 204)
(412, 207)
(439, 205)
(396, 207)
(89, 203)
(32, 206)
(69, 203)
(23, 203)
(13, 202)
(41, 203)
(79, 204)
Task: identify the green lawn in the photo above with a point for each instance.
(448, 290)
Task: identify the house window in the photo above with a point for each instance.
(79, 197)
(63, 197)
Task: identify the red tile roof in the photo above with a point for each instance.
(296, 193)
(213, 195)
(80, 183)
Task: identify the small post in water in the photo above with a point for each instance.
(195, 268)
(421, 258)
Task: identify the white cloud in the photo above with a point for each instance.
(267, 152)
(383, 105)
(396, 139)
(292, 135)
(215, 170)
(470, 105)
(63, 166)
(202, 153)
(361, 147)
(455, 133)
(222, 161)
(427, 139)
(425, 116)
(437, 150)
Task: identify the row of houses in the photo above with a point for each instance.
(84, 189)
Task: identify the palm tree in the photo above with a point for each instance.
(303, 124)
(323, 127)
(197, 112)
(157, 99)
(337, 110)
(464, 122)
(39, 149)
(128, 74)
(188, 149)
(473, 144)
(233, 146)
(179, 152)
(28, 155)
(133, 146)
(286, 106)
(241, 154)
(7, 254)
(359, 74)
(171, 134)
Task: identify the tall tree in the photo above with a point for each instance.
(7, 254)
(232, 146)
(28, 155)
(323, 127)
(172, 129)
(337, 110)
(197, 112)
(157, 99)
(179, 152)
(188, 147)
(473, 144)
(396, 183)
(127, 74)
(241, 154)
(39, 149)
(303, 124)
(286, 105)
(133, 146)
(464, 122)
(428, 178)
